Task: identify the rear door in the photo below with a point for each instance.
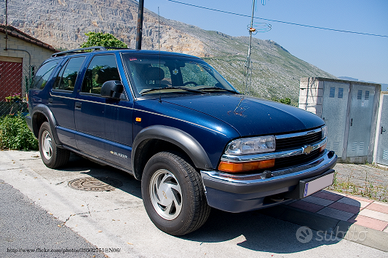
(61, 99)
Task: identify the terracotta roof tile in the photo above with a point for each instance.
(14, 32)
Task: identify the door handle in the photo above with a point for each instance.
(78, 105)
(382, 130)
(351, 122)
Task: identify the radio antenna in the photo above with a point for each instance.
(248, 65)
(158, 29)
(160, 94)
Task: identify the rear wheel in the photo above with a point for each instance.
(173, 194)
(52, 156)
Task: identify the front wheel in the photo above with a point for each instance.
(173, 194)
(52, 156)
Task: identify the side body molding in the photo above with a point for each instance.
(174, 136)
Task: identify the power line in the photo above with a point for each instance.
(278, 21)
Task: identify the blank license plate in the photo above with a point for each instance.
(317, 184)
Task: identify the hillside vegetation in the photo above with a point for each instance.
(63, 24)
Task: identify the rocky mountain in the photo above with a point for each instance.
(63, 24)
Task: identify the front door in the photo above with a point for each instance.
(104, 126)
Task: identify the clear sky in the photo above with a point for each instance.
(341, 54)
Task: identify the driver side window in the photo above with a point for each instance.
(102, 68)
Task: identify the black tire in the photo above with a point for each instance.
(173, 194)
(52, 156)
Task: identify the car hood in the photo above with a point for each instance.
(251, 116)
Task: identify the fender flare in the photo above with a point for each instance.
(43, 109)
(174, 136)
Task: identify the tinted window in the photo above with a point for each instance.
(43, 74)
(102, 68)
(68, 75)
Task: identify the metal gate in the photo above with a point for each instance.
(10, 79)
(361, 114)
(382, 144)
(335, 105)
(349, 111)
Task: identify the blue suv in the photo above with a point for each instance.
(173, 122)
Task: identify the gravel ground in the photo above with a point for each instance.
(362, 180)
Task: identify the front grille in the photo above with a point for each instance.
(298, 141)
(295, 160)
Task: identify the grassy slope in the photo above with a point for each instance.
(275, 72)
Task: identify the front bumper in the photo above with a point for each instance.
(239, 193)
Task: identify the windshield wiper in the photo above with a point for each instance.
(217, 89)
(171, 88)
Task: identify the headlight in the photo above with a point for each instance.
(324, 132)
(251, 145)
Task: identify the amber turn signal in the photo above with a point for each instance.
(322, 148)
(245, 166)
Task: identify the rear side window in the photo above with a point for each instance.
(68, 75)
(43, 74)
(102, 68)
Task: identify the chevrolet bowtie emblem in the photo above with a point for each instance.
(307, 149)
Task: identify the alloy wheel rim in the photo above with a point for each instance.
(166, 194)
(47, 147)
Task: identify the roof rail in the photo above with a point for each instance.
(83, 50)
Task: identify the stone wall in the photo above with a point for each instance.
(63, 24)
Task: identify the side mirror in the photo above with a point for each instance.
(112, 90)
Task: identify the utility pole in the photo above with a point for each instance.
(6, 25)
(262, 27)
(139, 30)
(248, 65)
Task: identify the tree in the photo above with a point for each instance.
(103, 40)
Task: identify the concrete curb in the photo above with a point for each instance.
(330, 226)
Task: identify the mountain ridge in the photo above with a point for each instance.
(275, 71)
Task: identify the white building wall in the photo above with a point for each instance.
(31, 54)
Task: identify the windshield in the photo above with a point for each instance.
(153, 74)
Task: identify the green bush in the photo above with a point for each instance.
(15, 135)
(103, 40)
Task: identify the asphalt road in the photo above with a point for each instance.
(26, 230)
(116, 222)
